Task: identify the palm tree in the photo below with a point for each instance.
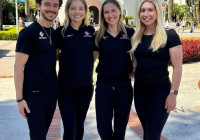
(170, 10)
(194, 13)
(1, 16)
(27, 10)
(199, 13)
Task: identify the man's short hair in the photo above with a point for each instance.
(39, 2)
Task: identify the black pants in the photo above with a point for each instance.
(113, 100)
(150, 106)
(74, 104)
(42, 109)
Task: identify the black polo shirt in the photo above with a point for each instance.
(114, 59)
(76, 58)
(39, 71)
(152, 67)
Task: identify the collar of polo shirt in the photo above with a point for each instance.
(70, 28)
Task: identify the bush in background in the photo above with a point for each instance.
(191, 45)
(9, 33)
(191, 49)
(8, 28)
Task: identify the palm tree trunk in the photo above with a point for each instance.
(27, 11)
(1, 16)
(170, 10)
(198, 13)
(193, 10)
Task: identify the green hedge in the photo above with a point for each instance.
(8, 28)
(9, 33)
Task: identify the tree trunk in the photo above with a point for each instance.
(1, 16)
(27, 11)
(199, 13)
(170, 10)
(193, 10)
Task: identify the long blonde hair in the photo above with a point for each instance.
(160, 36)
(104, 25)
(67, 20)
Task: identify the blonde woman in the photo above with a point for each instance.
(114, 91)
(153, 47)
(76, 42)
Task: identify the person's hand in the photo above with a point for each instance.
(22, 106)
(170, 102)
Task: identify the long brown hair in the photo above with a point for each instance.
(103, 23)
(67, 18)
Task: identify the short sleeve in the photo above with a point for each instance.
(25, 41)
(172, 38)
(58, 36)
(91, 29)
(130, 32)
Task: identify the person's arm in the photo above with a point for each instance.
(134, 61)
(58, 54)
(176, 56)
(95, 55)
(20, 61)
(134, 65)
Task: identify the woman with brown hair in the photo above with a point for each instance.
(114, 91)
(75, 41)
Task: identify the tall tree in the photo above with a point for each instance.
(1, 16)
(194, 6)
(170, 10)
(27, 10)
(199, 12)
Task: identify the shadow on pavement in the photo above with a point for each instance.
(3, 53)
(183, 125)
(13, 126)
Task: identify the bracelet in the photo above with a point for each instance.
(20, 100)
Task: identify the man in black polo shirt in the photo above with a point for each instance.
(35, 74)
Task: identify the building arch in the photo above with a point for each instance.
(95, 7)
(95, 12)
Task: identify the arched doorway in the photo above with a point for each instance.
(95, 6)
(95, 12)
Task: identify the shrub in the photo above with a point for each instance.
(9, 33)
(8, 28)
(191, 49)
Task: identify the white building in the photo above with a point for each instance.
(129, 8)
(180, 2)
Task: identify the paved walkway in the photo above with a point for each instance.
(183, 123)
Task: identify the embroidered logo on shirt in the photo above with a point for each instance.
(124, 36)
(42, 35)
(35, 91)
(70, 35)
(87, 34)
(105, 37)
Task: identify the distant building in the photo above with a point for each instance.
(129, 8)
(180, 2)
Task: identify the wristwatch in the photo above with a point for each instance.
(174, 91)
